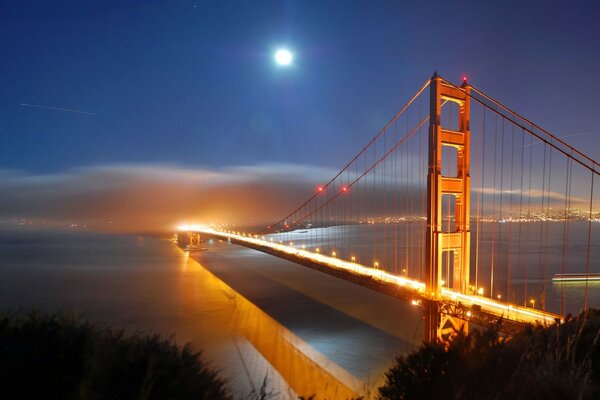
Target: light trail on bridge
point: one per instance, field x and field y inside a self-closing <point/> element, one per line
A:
<point x="398" y="219"/>
<point x="413" y="287"/>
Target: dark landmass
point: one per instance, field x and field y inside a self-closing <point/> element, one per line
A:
<point x="63" y="357"/>
<point x="561" y="361"/>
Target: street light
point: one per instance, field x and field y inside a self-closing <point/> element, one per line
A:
<point x="532" y="301"/>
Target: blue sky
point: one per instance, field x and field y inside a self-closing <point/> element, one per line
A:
<point x="193" y="83"/>
<point x="145" y="114"/>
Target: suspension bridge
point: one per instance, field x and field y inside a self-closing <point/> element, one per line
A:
<point x="459" y="205"/>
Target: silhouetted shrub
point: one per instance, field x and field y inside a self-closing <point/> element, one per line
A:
<point x="46" y="357"/>
<point x="561" y="361"/>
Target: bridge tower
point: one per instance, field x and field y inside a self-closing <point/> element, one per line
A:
<point x="194" y="243"/>
<point x="456" y="243"/>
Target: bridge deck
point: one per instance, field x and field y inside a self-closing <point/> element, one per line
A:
<point x="474" y="308"/>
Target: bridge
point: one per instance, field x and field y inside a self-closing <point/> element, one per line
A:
<point x="459" y="205"/>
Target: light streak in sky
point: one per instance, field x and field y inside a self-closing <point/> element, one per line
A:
<point x="72" y="110"/>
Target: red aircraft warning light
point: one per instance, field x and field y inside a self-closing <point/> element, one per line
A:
<point x="320" y="189"/>
<point x="344" y="189"/>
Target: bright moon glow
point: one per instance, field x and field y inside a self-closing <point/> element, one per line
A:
<point x="283" y="57"/>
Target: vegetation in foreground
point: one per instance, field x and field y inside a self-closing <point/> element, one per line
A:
<point x="557" y="362"/>
<point x="62" y="357"/>
<point x="45" y="356"/>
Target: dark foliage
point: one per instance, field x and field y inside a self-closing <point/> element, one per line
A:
<point x="49" y="357"/>
<point x="561" y="361"/>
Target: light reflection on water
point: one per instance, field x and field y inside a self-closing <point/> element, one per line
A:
<point x="253" y="313"/>
<point x="270" y="317"/>
<point x="358" y="328"/>
<point x="303" y="368"/>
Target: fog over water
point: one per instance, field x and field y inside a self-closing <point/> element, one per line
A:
<point x="143" y="197"/>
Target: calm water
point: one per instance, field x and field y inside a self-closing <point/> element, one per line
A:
<point x="252" y="314"/>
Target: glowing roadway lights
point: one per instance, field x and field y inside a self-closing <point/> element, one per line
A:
<point x="510" y="312"/>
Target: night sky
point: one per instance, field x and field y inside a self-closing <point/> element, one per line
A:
<point x="193" y="84"/>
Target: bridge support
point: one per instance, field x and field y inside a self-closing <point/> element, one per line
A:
<point x="193" y="241"/>
<point x="455" y="243"/>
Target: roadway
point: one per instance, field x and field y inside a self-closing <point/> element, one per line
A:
<point x="471" y="307"/>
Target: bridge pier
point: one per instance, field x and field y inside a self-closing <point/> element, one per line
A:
<point x="431" y="315"/>
<point x="189" y="240"/>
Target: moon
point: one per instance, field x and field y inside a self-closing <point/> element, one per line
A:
<point x="283" y="57"/>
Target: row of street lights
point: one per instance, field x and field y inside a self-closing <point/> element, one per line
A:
<point x="480" y="291"/>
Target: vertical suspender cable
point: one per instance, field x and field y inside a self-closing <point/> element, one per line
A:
<point x="521" y="216"/>
<point x="589" y="243"/>
<point x="528" y="231"/>
<point x="480" y="197"/>
<point x="510" y="211"/>
<point x="541" y="238"/>
<point x="493" y="220"/>
<point x="546" y="249"/>
<point x="501" y="216"/>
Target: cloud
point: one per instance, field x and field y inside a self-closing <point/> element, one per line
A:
<point x="149" y="197"/>
<point x="143" y="197"/>
<point x="533" y="193"/>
